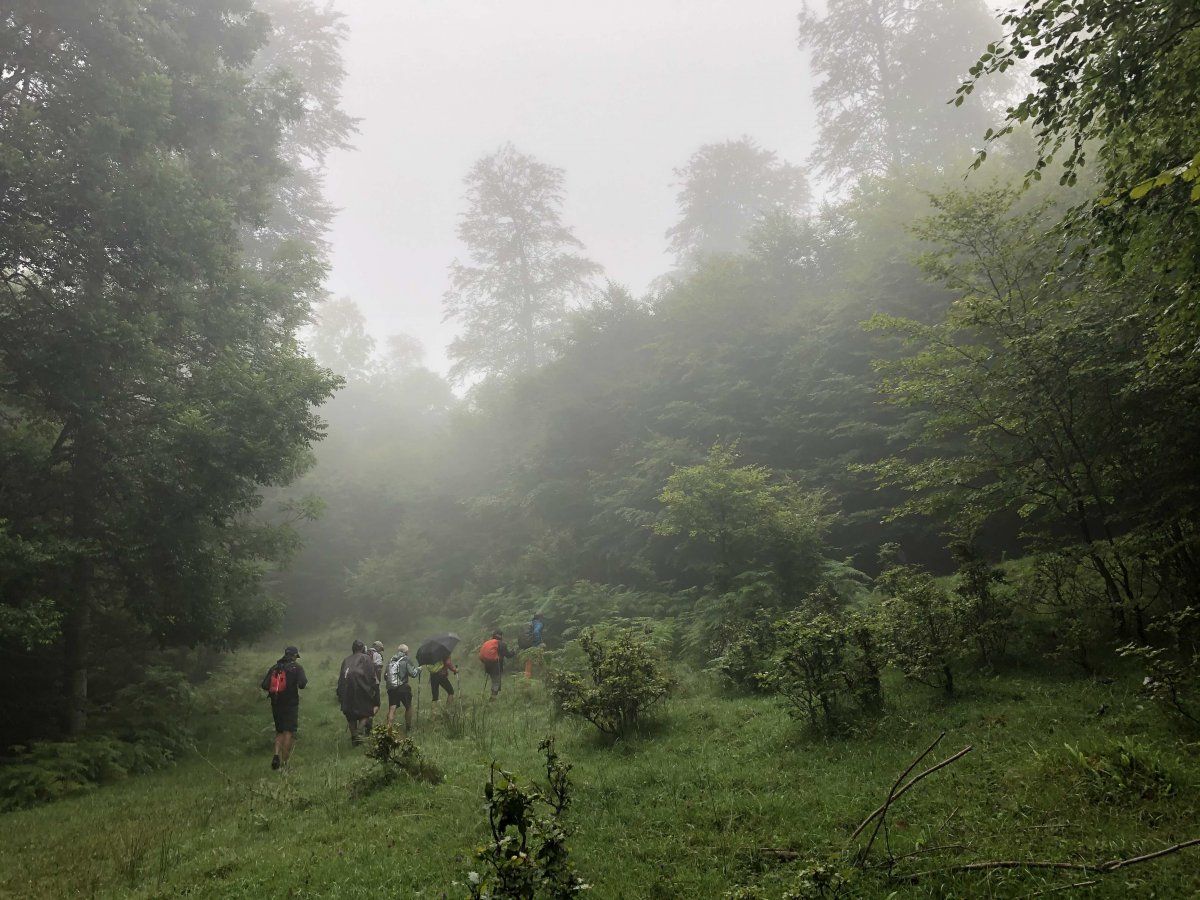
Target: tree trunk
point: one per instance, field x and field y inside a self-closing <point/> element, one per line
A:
<point x="75" y="633"/>
<point x="77" y="627"/>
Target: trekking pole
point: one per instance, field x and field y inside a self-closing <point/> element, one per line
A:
<point x="417" y="717"/>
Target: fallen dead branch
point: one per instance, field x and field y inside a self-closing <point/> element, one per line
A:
<point x="1099" y="868"/>
<point x="1061" y="888"/>
<point x="892" y="793"/>
<point x="897" y="792"/>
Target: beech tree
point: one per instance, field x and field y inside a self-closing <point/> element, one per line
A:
<point x="524" y="268"/>
<point x="725" y="190"/>
<point x="150" y="380"/>
<point x="301" y="52"/>
<point x="884" y="68"/>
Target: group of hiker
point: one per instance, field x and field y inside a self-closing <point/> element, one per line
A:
<point x="364" y="671"/>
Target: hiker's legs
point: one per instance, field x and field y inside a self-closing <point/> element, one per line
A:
<point x="391" y="715"/>
<point x="286" y="716"/>
<point x="441" y="682"/>
<point x="494" y="675"/>
<point x="528" y="668"/>
<point x="405" y="698"/>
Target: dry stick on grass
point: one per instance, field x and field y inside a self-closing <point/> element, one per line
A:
<point x="1100" y="868"/>
<point x="881" y="813"/>
<point x="892" y="796"/>
<point x="1061" y="888"/>
<point x="924" y="851"/>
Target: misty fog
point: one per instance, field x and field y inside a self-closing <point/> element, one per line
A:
<point x="606" y="442"/>
<point x="617" y="94"/>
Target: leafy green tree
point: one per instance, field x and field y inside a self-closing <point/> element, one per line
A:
<point x="724" y="190"/>
<point x="886" y="69"/>
<point x="302" y="51"/>
<point x="1033" y="367"/>
<point x="1108" y="83"/>
<point x="739" y="520"/>
<point x="149" y="375"/>
<point x="524" y="267"/>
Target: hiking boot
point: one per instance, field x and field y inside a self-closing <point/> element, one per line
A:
<point x="275" y="761"/>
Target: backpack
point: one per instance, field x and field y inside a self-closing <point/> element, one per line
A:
<point x="397" y="671"/>
<point x="277" y="682"/>
<point x="525" y="639"/>
<point x="490" y="651"/>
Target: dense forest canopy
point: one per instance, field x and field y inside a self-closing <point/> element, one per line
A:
<point x="862" y="372"/>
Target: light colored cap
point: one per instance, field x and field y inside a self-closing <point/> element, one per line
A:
<point x="403" y="648"/>
<point x="378" y="645"/>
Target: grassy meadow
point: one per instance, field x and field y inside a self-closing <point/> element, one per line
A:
<point x="683" y="809"/>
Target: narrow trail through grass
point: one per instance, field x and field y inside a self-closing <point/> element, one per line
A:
<point x="681" y="810"/>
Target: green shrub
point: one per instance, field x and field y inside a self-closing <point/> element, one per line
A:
<point x="825" y="664"/>
<point x="985" y="607"/>
<point x="50" y="770"/>
<point x="1173" y="668"/>
<point x="747" y="657"/>
<point x="624" y="678"/>
<point x="527" y="857"/>
<point x="920" y="626"/>
<point x="396" y="754"/>
<point x="1063" y="597"/>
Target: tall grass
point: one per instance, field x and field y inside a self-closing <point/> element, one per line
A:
<point x="681" y="810"/>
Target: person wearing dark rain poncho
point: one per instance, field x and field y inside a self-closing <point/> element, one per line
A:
<point x="358" y="691"/>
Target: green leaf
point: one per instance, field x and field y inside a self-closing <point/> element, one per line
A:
<point x="1141" y="190"/>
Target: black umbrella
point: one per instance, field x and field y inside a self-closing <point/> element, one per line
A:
<point x="436" y="649"/>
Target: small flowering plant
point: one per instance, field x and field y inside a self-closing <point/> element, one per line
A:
<point x="527" y="858"/>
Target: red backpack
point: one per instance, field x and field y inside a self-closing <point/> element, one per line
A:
<point x="490" y="651"/>
<point x="278" y="681"/>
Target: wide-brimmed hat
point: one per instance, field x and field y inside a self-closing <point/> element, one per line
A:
<point x="293" y="652"/>
<point x="378" y="645"/>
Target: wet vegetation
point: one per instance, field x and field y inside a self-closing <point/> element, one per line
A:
<point x="866" y="538"/>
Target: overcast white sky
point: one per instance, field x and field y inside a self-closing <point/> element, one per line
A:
<point x="617" y="93"/>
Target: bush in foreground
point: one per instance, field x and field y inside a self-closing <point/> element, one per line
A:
<point x="527" y="857"/>
<point x="399" y="755"/>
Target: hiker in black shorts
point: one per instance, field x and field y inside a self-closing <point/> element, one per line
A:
<point x="399" y="670"/>
<point x="283" y="683"/>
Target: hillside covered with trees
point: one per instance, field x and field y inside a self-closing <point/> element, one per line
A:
<point x="916" y="415"/>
